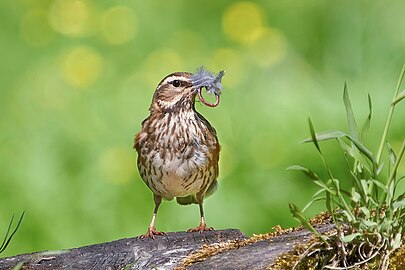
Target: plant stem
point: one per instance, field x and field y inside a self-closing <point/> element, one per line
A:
<point x="394" y="170"/>
<point x="389" y="118"/>
<point x="393" y="173"/>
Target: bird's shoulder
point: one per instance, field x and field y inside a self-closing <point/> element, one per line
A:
<point x="141" y="134"/>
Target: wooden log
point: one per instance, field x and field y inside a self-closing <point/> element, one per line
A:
<point x="223" y="249"/>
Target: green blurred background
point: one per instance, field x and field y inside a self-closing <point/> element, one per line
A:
<point x="77" y="77"/>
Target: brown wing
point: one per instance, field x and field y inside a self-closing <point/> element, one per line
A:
<point x="136" y="141"/>
<point x="140" y="135"/>
<point x="214" y="149"/>
<point x="214" y="146"/>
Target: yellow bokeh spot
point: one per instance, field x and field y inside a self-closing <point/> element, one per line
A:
<point x="71" y="17"/>
<point x="117" y="165"/>
<point x="269" y="47"/>
<point x="188" y="43"/>
<point x="82" y="66"/>
<point x="119" y="25"/>
<point x="35" y="29"/>
<point x="241" y="20"/>
<point x="230" y="61"/>
<point x="159" y="64"/>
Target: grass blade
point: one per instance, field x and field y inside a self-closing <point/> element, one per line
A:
<point x="313" y="176"/>
<point x="399" y="204"/>
<point x="397" y="162"/>
<point x="355" y="154"/>
<point x="351" y="121"/>
<point x="326" y="135"/>
<point x="389" y="117"/>
<point x="382" y="186"/>
<point x="313" y="136"/>
<point x="391" y="154"/>
<point x="18" y="266"/>
<point x="366" y="124"/>
<point x="304" y="170"/>
<point x="396" y="242"/>
<point x="364" y="150"/>
<point x="314" y="200"/>
<point x="7" y="240"/>
<point x="350" y="237"/>
<point x="328" y="203"/>
<point x="297" y="214"/>
<point x="400" y="97"/>
<point x="3" y="245"/>
<point x="336" y="134"/>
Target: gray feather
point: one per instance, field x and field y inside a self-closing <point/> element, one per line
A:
<point x="205" y="78"/>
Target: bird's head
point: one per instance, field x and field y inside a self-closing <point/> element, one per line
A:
<point x="174" y="92"/>
<point x="178" y="90"/>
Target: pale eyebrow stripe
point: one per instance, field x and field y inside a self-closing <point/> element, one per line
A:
<point x="172" y="78"/>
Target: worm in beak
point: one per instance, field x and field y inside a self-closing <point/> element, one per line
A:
<point x="200" y="96"/>
<point x="211" y="82"/>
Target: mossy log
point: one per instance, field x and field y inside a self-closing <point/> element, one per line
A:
<point x="222" y="249"/>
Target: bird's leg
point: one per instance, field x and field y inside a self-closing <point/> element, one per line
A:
<point x="152" y="230"/>
<point x="203" y="226"/>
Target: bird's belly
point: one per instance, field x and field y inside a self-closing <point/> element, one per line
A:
<point x="177" y="186"/>
<point x="179" y="177"/>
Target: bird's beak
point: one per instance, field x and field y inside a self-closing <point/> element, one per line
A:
<point x="200" y="96"/>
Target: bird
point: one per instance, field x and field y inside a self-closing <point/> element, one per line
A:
<point x="178" y="149"/>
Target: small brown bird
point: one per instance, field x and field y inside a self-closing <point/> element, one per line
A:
<point x="178" y="149"/>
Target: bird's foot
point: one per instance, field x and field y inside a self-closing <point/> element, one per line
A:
<point x="202" y="228"/>
<point x="151" y="233"/>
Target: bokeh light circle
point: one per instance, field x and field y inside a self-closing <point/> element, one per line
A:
<point x="161" y="63"/>
<point x="82" y="66"/>
<point x="71" y="17"/>
<point x="241" y="20"/>
<point x="229" y="60"/>
<point x="269" y="47"/>
<point x="119" y="25"/>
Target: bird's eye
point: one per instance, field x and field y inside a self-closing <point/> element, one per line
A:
<point x="176" y="83"/>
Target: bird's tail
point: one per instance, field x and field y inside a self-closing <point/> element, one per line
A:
<point x="193" y="199"/>
<point x="186" y="200"/>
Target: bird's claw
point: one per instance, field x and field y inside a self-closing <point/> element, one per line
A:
<point x="151" y="233"/>
<point x="202" y="228"/>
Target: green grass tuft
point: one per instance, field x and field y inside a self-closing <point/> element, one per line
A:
<point x="369" y="216"/>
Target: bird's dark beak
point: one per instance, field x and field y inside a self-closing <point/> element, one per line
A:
<point x="200" y="96"/>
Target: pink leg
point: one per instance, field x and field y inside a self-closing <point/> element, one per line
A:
<point x="203" y="226"/>
<point x="152" y="230"/>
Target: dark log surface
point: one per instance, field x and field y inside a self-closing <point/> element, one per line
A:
<point x="163" y="252"/>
